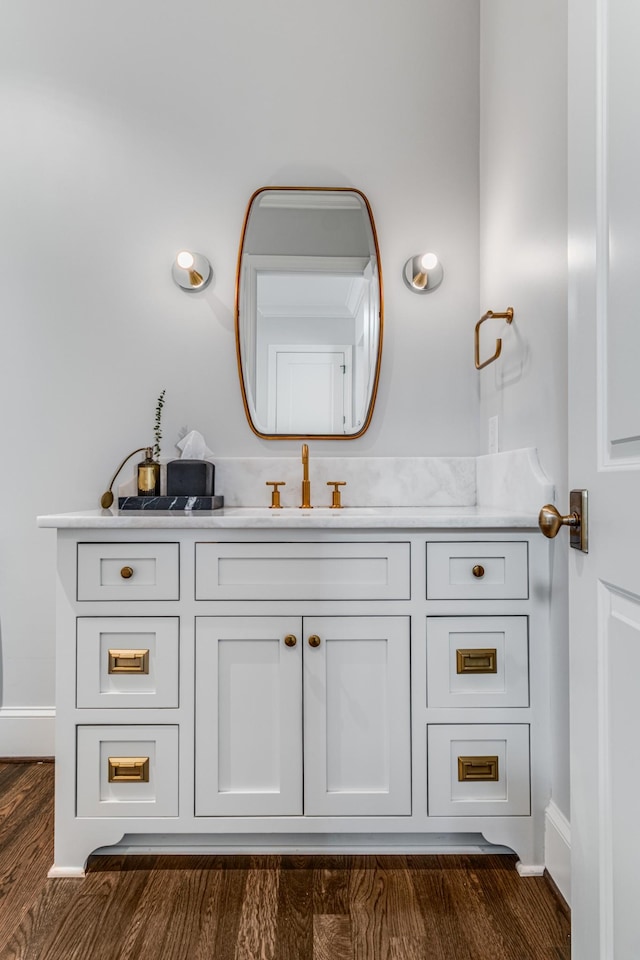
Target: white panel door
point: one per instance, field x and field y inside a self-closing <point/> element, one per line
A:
<point x="357" y="738"/>
<point x="604" y="456"/>
<point x="248" y="716"/>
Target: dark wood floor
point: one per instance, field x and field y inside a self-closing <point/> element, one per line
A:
<point x="260" y="908"/>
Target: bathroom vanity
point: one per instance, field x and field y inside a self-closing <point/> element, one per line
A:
<point x="370" y="680"/>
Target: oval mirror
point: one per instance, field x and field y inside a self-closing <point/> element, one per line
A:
<point x="309" y="313"/>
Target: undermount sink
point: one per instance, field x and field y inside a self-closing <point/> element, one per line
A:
<point x="291" y="512"/>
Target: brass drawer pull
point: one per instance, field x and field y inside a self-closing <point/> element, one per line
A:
<point x="477" y="661"/>
<point x="477" y="769"/>
<point x="314" y="640"/>
<point x="478" y="571"/>
<point x="290" y="640"/>
<point x="128" y="769"/>
<point x="126" y="573"/>
<point x="128" y="661"/>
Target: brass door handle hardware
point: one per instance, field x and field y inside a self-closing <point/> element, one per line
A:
<point x="128" y="769"/>
<point x="477" y="661"/>
<point x="477" y="769"/>
<point x="478" y="571"/>
<point x="290" y="640"/>
<point x="336" y="502"/>
<point x="128" y="661"/>
<point x="550" y="520"/>
<point x="314" y="640"/>
<point x="126" y="573"/>
<point x="508" y="316"/>
<point x="275" y="493"/>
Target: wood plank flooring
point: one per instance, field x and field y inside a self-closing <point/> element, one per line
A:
<point x="260" y="908"/>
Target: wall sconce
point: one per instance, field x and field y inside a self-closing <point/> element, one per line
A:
<point x="191" y="271"/>
<point x="423" y="273"/>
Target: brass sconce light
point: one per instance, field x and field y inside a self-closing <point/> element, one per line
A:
<point x="423" y="273"/>
<point x="191" y="271"/>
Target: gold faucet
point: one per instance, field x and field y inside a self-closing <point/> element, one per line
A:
<point x="306" y="484"/>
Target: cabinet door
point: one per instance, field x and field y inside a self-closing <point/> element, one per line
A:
<point x="248" y="716"/>
<point x="357" y="739"/>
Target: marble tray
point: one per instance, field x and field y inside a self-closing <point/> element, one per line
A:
<point x="170" y="503"/>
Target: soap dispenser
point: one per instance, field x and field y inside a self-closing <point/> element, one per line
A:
<point x="148" y="476"/>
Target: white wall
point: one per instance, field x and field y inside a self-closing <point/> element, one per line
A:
<point x="131" y="130"/>
<point x="523" y="264"/>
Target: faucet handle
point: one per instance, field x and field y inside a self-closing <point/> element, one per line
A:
<point x="336" y="503"/>
<point x="275" y="493"/>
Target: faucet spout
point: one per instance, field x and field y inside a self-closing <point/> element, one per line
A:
<point x="306" y="484"/>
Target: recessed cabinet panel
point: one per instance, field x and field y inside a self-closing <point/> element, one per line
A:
<point x="127" y="771"/>
<point x="248" y="716"/>
<point x="477" y="571"/>
<point x="477" y="662"/>
<point x="127" y="661"/>
<point x="478" y="770"/>
<point x="128" y="571"/>
<point x="309" y="571"/>
<point x="357" y="716"/>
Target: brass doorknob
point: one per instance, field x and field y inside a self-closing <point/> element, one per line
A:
<point x="290" y="640"/>
<point x="126" y="573"/>
<point x="478" y="571"/>
<point x="550" y="520"/>
<point x="314" y="640"/>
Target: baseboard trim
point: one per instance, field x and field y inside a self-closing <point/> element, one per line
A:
<point x="557" y="845"/>
<point x="27" y="732"/>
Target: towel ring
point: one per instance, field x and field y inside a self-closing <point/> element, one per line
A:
<point x="508" y="316"/>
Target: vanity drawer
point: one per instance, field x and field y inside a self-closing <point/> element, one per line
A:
<point x="302" y="571"/>
<point x="128" y="571"/>
<point x="477" y="571"/>
<point x="127" y="661"/>
<point x="478" y="770"/>
<point x="477" y="662"/>
<point x="127" y="771"/>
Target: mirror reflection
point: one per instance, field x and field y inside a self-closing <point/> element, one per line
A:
<point x="309" y="312"/>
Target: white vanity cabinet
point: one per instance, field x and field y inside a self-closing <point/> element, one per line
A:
<point x="287" y="701"/>
<point x="246" y="683"/>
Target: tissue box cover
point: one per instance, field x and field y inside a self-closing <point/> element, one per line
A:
<point x="190" y="478"/>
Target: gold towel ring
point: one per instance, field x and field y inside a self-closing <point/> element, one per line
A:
<point x="508" y="316"/>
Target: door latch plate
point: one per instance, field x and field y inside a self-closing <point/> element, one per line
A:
<point x="579" y="505"/>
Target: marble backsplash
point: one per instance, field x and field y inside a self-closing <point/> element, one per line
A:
<point x="510" y="480"/>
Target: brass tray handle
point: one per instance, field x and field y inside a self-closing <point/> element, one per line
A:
<point x="128" y="661"/>
<point x="128" y="769"/>
<point x="478" y="769"/>
<point x="489" y="315"/>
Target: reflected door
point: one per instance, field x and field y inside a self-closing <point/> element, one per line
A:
<point x="309" y="389"/>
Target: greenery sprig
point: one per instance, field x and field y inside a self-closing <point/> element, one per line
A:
<point x="157" y="427"/>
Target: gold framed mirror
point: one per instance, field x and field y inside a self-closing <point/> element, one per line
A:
<point x="309" y="313"/>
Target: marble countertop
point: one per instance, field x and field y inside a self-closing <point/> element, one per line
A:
<point x="362" y="518"/>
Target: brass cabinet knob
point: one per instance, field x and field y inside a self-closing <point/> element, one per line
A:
<point x="126" y="573"/>
<point x="478" y="571"/>
<point x="314" y="640"/>
<point x="290" y="640"/>
<point x="550" y="520"/>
